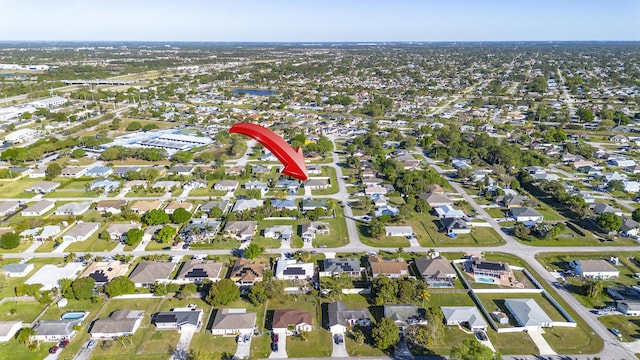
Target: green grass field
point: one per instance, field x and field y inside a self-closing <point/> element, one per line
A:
<point x="317" y="345"/>
<point x="27" y="311"/>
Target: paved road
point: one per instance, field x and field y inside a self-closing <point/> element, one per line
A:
<point x="84" y="353"/>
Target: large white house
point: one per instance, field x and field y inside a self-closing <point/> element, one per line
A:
<point x="290" y="269"/>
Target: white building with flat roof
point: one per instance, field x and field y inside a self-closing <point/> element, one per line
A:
<point x="49" y="275"/>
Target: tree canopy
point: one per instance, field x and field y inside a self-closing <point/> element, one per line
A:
<point x="609" y="221"/>
<point x="155" y="217"/>
<point x="180" y="216"/>
<point x="253" y="251"/>
<point x="9" y="240"/>
<point x="133" y="237"/>
<point x="385" y="334"/>
<point x="223" y="293"/>
<point x="470" y="349"/>
<point x="119" y="286"/>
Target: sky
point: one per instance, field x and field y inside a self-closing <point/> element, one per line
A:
<point x="319" y="20"/>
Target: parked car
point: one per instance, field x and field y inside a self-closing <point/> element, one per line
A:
<point x="274" y="347"/>
<point x="91" y="344"/>
<point x="53" y="349"/>
<point x="275" y="338"/>
<point x="339" y="339"/>
<point x="63" y="344"/>
<point x="616" y="332"/>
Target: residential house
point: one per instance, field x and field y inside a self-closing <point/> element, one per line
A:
<point x="341" y="266"/>
<point x="261" y="169"/>
<point x="118" y="231"/>
<point x="247" y="204"/>
<point x="448" y="212"/>
<point x="175" y="205"/>
<point x="256" y="185"/>
<point x="455" y="226"/>
<point x="235" y="170"/>
<point x="601" y="208"/>
<point x="398" y="231"/>
<point x="627" y="299"/>
<point x="389" y="268"/>
<point x="386" y="210"/>
<point x="308" y="204"/>
<point x="339" y="317"/>
<point x="314" y="169"/>
<point x="375" y="190"/>
<point x="73" y="171"/>
<point x="188" y="318"/>
<point x="119" y="323"/>
<point x="632" y="186"/>
<point x="73" y="208"/>
<point x="291" y="321"/>
<point x="166" y="185"/>
<point x="226" y="185"/>
<point x="142" y="206"/>
<point x="122" y="171"/>
<point x="110" y="206"/>
<point x="309" y="230"/>
<point x="82" y="231"/>
<point x="526" y="215"/>
<point x="491" y="272"/>
<point x="17" y="270"/>
<point x="596" y="269"/>
<point x="220" y="204"/>
<point x="436" y="272"/>
<point x="200" y="230"/>
<point x="50" y="275"/>
<point x="468" y="316"/>
<point x="104" y="271"/>
<point x="198" y="270"/>
<point x="629" y="228"/>
<point x="43" y="187"/>
<point x="284" y="204"/>
<point x="183" y="170"/>
<point x="104" y="184"/>
<point x="528" y="314"/>
<point x="54" y="330"/>
<point x="290" y="269"/>
<point x="269" y="157"/>
<point x="435" y="189"/>
<point x="511" y="201"/>
<point x="404" y="315"/>
<point x="233" y="322"/>
<point x="149" y="272"/>
<point x="246" y="272"/>
<point x="436" y="199"/>
<point x="99" y="171"/>
<point x="316" y="184"/>
<point x="241" y="230"/>
<point x="282" y="232"/>
<point x="8" y="329"/>
<point x="291" y="186"/>
<point x="8" y="207"/>
<point x="41" y="233"/>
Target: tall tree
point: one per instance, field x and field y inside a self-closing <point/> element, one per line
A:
<point x="223" y="293"/>
<point x="385" y="334"/>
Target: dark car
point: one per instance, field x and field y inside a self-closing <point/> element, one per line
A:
<point x="339" y="339"/>
<point x="274" y="347"/>
<point x="63" y="344"/>
<point x="53" y="349"/>
<point x="185" y="246"/>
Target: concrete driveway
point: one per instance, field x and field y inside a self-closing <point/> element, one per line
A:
<point x="282" y="347"/>
<point x="339" y="350"/>
<point x="244" y="349"/>
<point x="85" y="352"/>
<point x="541" y="343"/>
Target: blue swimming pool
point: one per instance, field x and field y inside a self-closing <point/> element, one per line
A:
<point x="487" y="280"/>
<point x="74" y="315"/>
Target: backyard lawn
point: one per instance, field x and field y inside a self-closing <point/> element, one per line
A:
<point x="319" y="344"/>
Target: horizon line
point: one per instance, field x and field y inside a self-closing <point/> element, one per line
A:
<point x="320" y="42"/>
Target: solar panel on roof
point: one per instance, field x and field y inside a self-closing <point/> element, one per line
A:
<point x="196" y="273"/>
<point x="99" y="276"/>
<point x="294" y="271"/>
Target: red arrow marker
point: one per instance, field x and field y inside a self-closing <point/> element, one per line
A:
<point x="293" y="160"/>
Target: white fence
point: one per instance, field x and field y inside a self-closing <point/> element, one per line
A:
<point x="564" y="324"/>
<point x="480" y="224"/>
<point x="508" y="291"/>
<point x="138" y="296"/>
<point x="356" y="291"/>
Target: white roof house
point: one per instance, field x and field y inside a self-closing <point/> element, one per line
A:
<point x="244" y="204"/>
<point x="447" y="211"/>
<point x="290" y="269"/>
<point x="73" y="208"/>
<point x="38" y="209"/>
<point x="464" y="315"/>
<point x="528" y="313"/>
<point x="49" y="275"/>
<point x="279" y="232"/>
<point x="398" y="230"/>
<point x="17" y="270"/>
<point x="600" y="269"/>
<point x="8" y="329"/>
<point x="82" y="231"/>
